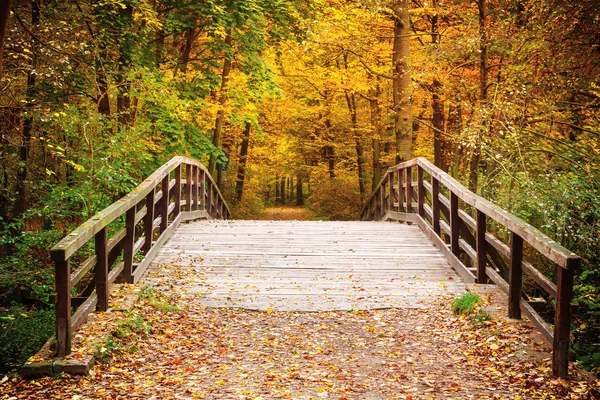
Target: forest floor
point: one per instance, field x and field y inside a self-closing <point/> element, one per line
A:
<point x="170" y="346"/>
<point x="286" y="213"/>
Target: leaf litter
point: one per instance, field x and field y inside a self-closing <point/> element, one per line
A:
<point x="187" y="351"/>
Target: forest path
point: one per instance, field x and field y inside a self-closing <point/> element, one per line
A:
<point x="195" y="352"/>
<point x="286" y="213"/>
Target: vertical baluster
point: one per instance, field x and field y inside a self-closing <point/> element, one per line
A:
<point x="101" y="269"/>
<point x="209" y="199"/>
<point x="401" y="191"/>
<point x="381" y="200"/>
<point x="149" y="222"/>
<point x="195" y="184"/>
<point x="420" y="193"/>
<point x="202" y="187"/>
<point x="435" y="204"/>
<point x="391" y="190"/>
<point x="515" y="277"/>
<point x="63" y="306"/>
<point x="454" y="224"/>
<point x="481" y="245"/>
<point x="164" y="204"/>
<point x="188" y="187"/>
<point x="177" y="191"/>
<point x="409" y="190"/>
<point x="562" y="318"/>
<point x="126" y="275"/>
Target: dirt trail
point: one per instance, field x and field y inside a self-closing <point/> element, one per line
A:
<point x="286" y="213"/>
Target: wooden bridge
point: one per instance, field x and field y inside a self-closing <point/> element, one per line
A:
<point x="312" y="265"/>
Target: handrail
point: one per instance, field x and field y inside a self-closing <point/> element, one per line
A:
<point x="398" y="196"/>
<point x="159" y="205"/>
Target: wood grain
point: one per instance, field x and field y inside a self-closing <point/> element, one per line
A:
<point x="309" y="265"/>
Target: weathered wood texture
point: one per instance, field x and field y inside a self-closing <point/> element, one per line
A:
<point x="464" y="240"/>
<point x="309" y="265"/>
<point x="159" y="204"/>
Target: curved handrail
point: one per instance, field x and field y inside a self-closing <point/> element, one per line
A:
<point x="393" y="199"/>
<point x="152" y="211"/>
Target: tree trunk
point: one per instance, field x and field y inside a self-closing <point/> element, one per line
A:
<point x="124" y="108"/>
<point x="483" y="85"/>
<point x="186" y="51"/>
<point x="4" y="17"/>
<point x="377" y="134"/>
<point x="282" y="190"/>
<point x="241" y="175"/>
<point x="438" y="126"/>
<point x="437" y="120"/>
<point x="360" y="157"/>
<point x="299" y="193"/>
<point x="222" y="100"/>
<point x="20" y="205"/>
<point x="277" y="201"/>
<point x="401" y="82"/>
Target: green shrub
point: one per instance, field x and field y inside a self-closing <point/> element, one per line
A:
<point x="22" y="333"/>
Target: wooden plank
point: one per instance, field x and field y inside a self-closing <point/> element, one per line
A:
<point x="562" y="320"/>
<point x="480" y="230"/>
<point x="533" y="316"/>
<point x="409" y="189"/>
<point x="177" y="191"/>
<point x="162" y="239"/>
<point x="188" y="187"/>
<point x="454" y="261"/>
<point x="454" y="224"/>
<point x="84" y="310"/>
<point x="128" y="252"/>
<point x="542" y="243"/>
<point x="63" y="307"/>
<point x="420" y="192"/>
<point x="163" y="209"/>
<point x="515" y="281"/>
<point x="435" y="205"/>
<point x="149" y="222"/>
<point x="101" y="270"/>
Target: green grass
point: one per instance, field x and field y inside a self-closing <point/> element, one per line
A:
<point x="466" y="303"/>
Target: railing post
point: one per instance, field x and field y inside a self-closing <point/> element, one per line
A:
<point x="164" y="204"/>
<point x="177" y="191"/>
<point x="195" y="187"/>
<point x="188" y="187"/>
<point x="63" y="307"/>
<point x="209" y="200"/>
<point x="421" y="192"/>
<point x="515" y="277"/>
<point x="127" y="274"/>
<point x="101" y="269"/>
<point x="480" y="228"/>
<point x="435" y="204"/>
<point x="382" y="200"/>
<point x="391" y="191"/>
<point x="454" y="224"/>
<point x="409" y="195"/>
<point x="202" y="187"/>
<point x="562" y="318"/>
<point x="149" y="222"/>
<point x="401" y="191"/>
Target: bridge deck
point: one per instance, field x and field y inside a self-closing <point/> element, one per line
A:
<point x="309" y="265"/>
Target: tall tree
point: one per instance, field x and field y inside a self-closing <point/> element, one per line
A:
<point x="403" y="117"/>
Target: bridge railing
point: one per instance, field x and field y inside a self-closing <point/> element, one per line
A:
<point x="180" y="190"/>
<point x="458" y="222"/>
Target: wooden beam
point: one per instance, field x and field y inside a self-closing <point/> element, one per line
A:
<point x="515" y="280"/>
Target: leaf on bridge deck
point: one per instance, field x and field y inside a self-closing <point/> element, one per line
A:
<point x="198" y="352"/>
